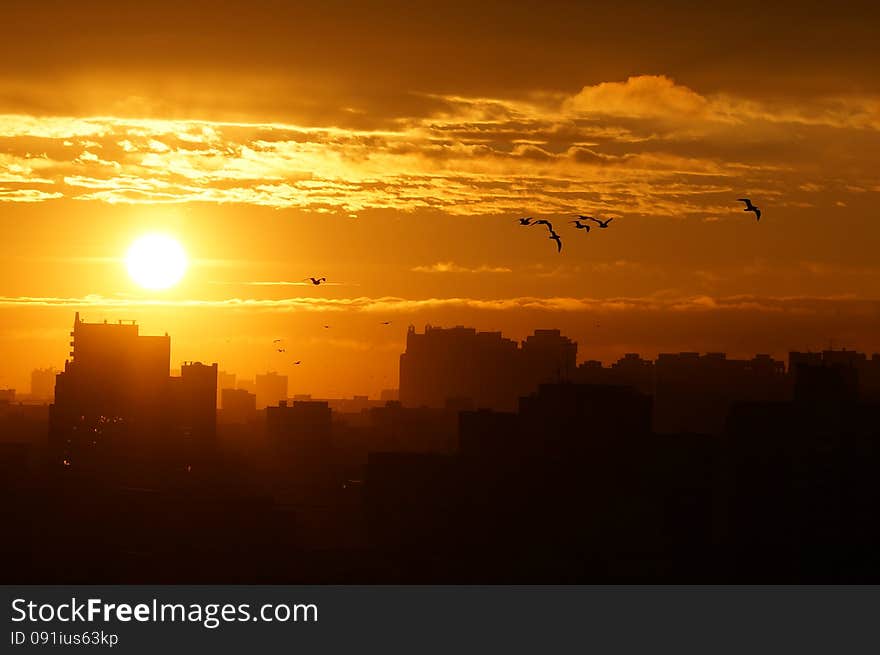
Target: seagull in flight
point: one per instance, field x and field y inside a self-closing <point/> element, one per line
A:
<point x="581" y="226"/>
<point x="601" y="223"/>
<point x="315" y="280"/>
<point x="751" y="208"/>
<point x="553" y="234"/>
<point x="525" y="221"/>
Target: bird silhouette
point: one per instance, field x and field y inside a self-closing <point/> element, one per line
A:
<point x="553" y="234"/>
<point x="281" y="350"/>
<point x="297" y="362"/>
<point x="601" y="223"/>
<point x="581" y="226"/>
<point x="525" y="221"/>
<point x="277" y="340"/>
<point x="315" y="280"/>
<point x="386" y="322"/>
<point x="326" y="327"/>
<point x="751" y="208"/>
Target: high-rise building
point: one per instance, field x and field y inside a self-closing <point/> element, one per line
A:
<point x="238" y="406"/>
<point x="43" y="383"/>
<point x="195" y="398"/>
<point x="489" y="369"/>
<point x="547" y="356"/>
<point x="115" y="396"/>
<point x="224" y="381"/>
<point x="271" y="388"/>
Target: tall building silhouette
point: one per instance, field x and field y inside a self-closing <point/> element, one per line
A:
<point x="271" y="388"/>
<point x="238" y="406"/>
<point x="115" y="397"/>
<point x="43" y="383"/>
<point x="492" y="371"/>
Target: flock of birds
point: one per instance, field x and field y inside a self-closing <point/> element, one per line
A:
<point x="582" y="222"/>
<point x="278" y="344"/>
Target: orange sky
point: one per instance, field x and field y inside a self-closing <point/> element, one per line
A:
<point x="389" y="148"/>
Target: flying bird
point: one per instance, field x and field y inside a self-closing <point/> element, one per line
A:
<point x="281" y="350"/>
<point x="601" y="223"/>
<point x="525" y="221"/>
<point x="277" y="340"/>
<point x="386" y="322"/>
<point x="751" y="208"/>
<point x="315" y="280"/>
<point x="326" y="327"/>
<point x="553" y="234"/>
<point x="297" y="362"/>
<point x="581" y="226"/>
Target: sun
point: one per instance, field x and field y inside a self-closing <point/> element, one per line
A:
<point x="156" y="261"/>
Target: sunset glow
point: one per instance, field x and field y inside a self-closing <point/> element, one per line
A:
<point x="156" y="261"/>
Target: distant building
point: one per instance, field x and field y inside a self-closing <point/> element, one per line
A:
<point x="301" y="437"/>
<point x="389" y="394"/>
<point x="485" y="367"/>
<point x="7" y="396"/>
<point x="238" y="406"/>
<point x="271" y="389"/>
<point x="547" y="356"/>
<point x="194" y="395"/>
<point x="225" y="380"/>
<point x="43" y="383"/>
<point x="694" y="393"/>
<point x="854" y="369"/>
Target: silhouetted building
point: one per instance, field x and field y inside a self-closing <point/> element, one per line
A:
<point x="389" y="394"/>
<point x="7" y="396"/>
<point x="225" y="380"/>
<point x="458" y="362"/>
<point x="115" y="399"/>
<point x="301" y="436"/>
<point x="238" y="406"/>
<point x="194" y="396"/>
<point x="271" y="389"/>
<point x="693" y="393"/>
<point x="547" y="356"/>
<point x="570" y="417"/>
<point x="629" y="371"/>
<point x="491" y="370"/>
<point x="43" y="383"/>
<point x="856" y="373"/>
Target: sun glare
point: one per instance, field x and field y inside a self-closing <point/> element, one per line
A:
<point x="156" y="261"/>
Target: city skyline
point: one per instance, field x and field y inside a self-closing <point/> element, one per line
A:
<point x="499" y="462"/>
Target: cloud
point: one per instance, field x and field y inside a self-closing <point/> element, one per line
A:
<point x="452" y="267"/>
<point x="387" y="304"/>
<point x="646" y="145"/>
<point x="279" y="283"/>
<point x="644" y="96"/>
